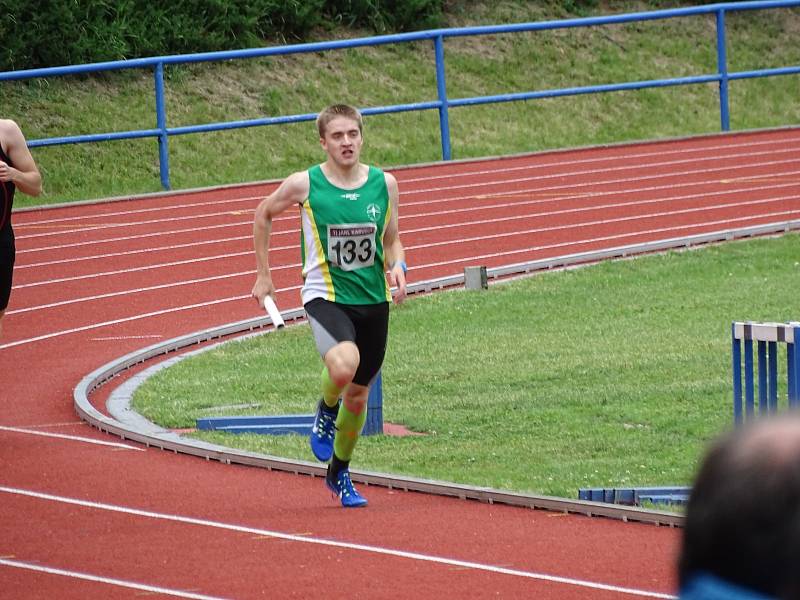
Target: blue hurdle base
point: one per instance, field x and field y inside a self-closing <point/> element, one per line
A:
<point x="635" y="496"/>
<point x="275" y="425"/>
<point x="298" y="424"/>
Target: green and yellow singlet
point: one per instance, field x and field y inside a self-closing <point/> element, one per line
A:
<point x="342" y="240"/>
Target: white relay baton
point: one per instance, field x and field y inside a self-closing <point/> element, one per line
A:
<point x="273" y="312"/>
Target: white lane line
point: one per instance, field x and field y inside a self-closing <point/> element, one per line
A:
<point x="148" y="250"/>
<point x="724" y="222"/>
<point x="148" y="267"/>
<point x="482" y="184"/>
<point x="122" y="213"/>
<point x="536" y="165"/>
<point x="594" y="183"/>
<point x="642" y="217"/>
<point x="441" y="201"/>
<point x="604" y="158"/>
<point x="336" y="544"/>
<point x="151" y="288"/>
<point x="458" y="225"/>
<point x="521" y="201"/>
<point x="155" y="313"/>
<point x="72" y="438"/>
<point x="116" y="338"/>
<point x="125" y="238"/>
<point x="65" y="424"/>
<point x="18" y="564"/>
<point x="189" y="261"/>
<point x="126" y="224"/>
<point x="432" y="244"/>
<point x="604" y="207"/>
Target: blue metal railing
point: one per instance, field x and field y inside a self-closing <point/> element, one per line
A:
<point x="442" y="103"/>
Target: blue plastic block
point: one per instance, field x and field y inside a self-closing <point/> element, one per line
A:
<point x="644" y="492"/>
<point x="271" y="428"/>
<point x="624" y="496"/>
<point x="212" y="423"/>
<point x="663" y="499"/>
<point x="634" y="496"/>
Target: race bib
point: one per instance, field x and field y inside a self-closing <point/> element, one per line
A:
<point x="352" y="246"/>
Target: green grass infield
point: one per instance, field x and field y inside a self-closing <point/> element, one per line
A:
<point x="611" y="375"/>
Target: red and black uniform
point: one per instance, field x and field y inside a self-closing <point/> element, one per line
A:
<point x="7" y="249"/>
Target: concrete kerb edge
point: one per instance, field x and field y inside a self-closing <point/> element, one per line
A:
<point x="138" y="429"/>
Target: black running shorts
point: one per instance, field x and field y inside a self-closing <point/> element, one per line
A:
<point x="7" y="253"/>
<point x="367" y="326"/>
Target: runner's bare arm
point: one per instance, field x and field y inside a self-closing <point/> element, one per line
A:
<point x="394" y="253"/>
<point x="293" y="190"/>
<point x="24" y="174"/>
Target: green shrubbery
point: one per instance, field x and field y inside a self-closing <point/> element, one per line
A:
<point x="41" y="33"/>
<point x="46" y="33"/>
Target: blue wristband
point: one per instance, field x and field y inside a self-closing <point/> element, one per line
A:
<point x="402" y="264"/>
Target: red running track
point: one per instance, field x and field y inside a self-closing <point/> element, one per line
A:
<point x="86" y="515"/>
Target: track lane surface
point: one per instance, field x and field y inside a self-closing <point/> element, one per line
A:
<point x="97" y="281"/>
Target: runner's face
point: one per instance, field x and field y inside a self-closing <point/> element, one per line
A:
<point x="342" y="141"/>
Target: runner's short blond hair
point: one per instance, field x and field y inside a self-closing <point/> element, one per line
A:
<point x="338" y="110"/>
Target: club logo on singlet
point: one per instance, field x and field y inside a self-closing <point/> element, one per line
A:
<point x="351" y="246"/>
<point x="373" y="212"/>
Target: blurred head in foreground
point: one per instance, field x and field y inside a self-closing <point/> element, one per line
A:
<point x="742" y="529"/>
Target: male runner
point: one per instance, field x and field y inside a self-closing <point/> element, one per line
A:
<point x="350" y="236"/>
<point x="17" y="171"/>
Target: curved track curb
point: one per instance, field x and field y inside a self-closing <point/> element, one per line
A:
<point x="134" y="427"/>
<point x="129" y="425"/>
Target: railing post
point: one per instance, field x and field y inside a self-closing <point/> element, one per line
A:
<point x="722" y="68"/>
<point x="441" y="88"/>
<point x="161" y="124"/>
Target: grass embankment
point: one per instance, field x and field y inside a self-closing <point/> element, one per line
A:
<point x="403" y="74"/>
<point x="612" y="375"/>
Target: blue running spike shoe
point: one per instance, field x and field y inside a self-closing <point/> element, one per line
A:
<point x="342" y="488"/>
<point x="323" y="430"/>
